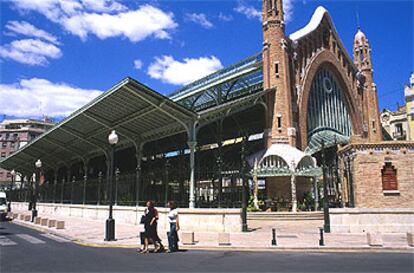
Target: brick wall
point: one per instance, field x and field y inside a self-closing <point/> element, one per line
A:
<point x="369" y="160"/>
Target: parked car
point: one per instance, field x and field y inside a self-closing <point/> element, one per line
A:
<point x="3" y="206"/>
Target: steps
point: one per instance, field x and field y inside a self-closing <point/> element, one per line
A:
<point x="284" y="216"/>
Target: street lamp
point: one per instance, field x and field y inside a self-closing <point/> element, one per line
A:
<point x="13" y="173"/>
<point x="244" y="186"/>
<point x="110" y="222"/>
<point x="327" y="225"/>
<point x="38" y="165"/>
<point x="350" y="183"/>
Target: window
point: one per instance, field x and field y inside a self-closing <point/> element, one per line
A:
<point x="277" y="70"/>
<point x="11" y="144"/>
<point x="389" y="177"/>
<point x="398" y="128"/>
<point x="4" y="144"/>
<point x="3" y="154"/>
<point x="269" y="6"/>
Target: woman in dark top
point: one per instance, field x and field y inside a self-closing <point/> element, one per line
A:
<point x="150" y="225"/>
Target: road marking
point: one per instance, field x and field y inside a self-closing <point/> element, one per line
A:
<point x="55" y="238"/>
<point x="30" y="238"/>
<point x="4" y="241"/>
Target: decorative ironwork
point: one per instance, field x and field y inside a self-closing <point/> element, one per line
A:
<point x="328" y="116"/>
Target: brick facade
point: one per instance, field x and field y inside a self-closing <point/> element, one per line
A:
<point x="290" y="66"/>
<point x="368" y="160"/>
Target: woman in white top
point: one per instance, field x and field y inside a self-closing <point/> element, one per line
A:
<point x="174" y="227"/>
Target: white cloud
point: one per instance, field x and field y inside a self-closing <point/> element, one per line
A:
<point x="37" y="97"/>
<point x="199" y="18"/>
<point x="138" y="64"/>
<point x="253" y="13"/>
<point x="27" y="29"/>
<point x="169" y="70"/>
<point x="225" y="18"/>
<point x="250" y="11"/>
<point x="134" y="25"/>
<point x="103" y="5"/>
<point x="30" y="51"/>
<point x="103" y="18"/>
<point x="288" y="10"/>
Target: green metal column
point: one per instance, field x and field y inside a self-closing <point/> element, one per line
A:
<point x="98" y="202"/>
<point x="244" y="185"/>
<point x="220" y="161"/>
<point x="85" y="179"/>
<point x="138" y="158"/>
<point x="166" y="178"/>
<point x="55" y="180"/>
<point x="327" y="224"/>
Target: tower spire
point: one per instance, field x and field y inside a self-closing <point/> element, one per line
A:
<point x="357" y="17"/>
<point x="362" y="60"/>
<point x="276" y="76"/>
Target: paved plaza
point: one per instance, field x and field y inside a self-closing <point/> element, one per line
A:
<point x="291" y="235"/>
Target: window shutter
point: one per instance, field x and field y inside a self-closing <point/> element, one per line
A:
<point x="389" y="177"/>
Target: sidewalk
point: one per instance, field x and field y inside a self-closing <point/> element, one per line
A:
<point x="291" y="236"/>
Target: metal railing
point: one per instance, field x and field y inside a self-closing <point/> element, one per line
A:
<point x="93" y="191"/>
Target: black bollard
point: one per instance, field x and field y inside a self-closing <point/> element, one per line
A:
<point x="321" y="241"/>
<point x="274" y="242"/>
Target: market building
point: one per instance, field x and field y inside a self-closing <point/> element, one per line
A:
<point x="271" y="119"/>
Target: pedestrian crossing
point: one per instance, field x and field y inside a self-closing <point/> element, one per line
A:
<point x="55" y="238"/>
<point x="15" y="239"/>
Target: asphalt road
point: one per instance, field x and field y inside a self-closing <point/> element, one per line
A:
<point x="26" y="250"/>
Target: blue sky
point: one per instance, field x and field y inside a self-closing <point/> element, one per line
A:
<point x="56" y="55"/>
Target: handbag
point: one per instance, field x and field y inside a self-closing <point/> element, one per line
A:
<point x="142" y="221"/>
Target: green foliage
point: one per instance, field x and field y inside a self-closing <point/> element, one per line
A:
<point x="250" y="206"/>
<point x="308" y="202"/>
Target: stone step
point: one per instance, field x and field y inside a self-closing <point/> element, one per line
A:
<point x="285" y="216"/>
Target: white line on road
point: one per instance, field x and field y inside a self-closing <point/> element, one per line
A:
<point x="30" y="239"/>
<point x="4" y="241"/>
<point x="55" y="238"/>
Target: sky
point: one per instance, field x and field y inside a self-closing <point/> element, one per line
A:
<point x="56" y="55"/>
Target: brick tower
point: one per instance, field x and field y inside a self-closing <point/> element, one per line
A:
<point x="362" y="59"/>
<point x="276" y="76"/>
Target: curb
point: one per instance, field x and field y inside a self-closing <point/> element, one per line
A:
<point x="303" y="249"/>
<point x="275" y="249"/>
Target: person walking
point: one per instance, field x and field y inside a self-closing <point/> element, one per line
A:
<point x="174" y="227"/>
<point x="150" y="228"/>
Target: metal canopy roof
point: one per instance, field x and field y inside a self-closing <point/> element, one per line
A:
<point x="138" y="113"/>
<point x="328" y="136"/>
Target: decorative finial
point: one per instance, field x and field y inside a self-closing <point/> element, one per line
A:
<point x="357" y="17"/>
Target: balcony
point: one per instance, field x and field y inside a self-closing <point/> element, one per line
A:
<point x="399" y="135"/>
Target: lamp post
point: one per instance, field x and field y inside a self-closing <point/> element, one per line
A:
<point x="350" y="183"/>
<point x="326" y="225"/>
<point x="244" y="186"/>
<point x="110" y="222"/>
<point x="38" y="165"/>
<point x="167" y="167"/>
<point x="13" y="173"/>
